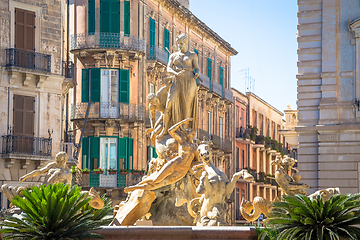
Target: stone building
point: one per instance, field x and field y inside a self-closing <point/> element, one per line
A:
<point x="121" y="50"/>
<point x="329" y="93"/>
<point x="34" y="80"/>
<point x="258" y="141"/>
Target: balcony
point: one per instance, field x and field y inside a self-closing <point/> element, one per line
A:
<point x="228" y="95"/>
<point x="122" y="111"/>
<point x="28" y="60"/>
<point x="68" y="69"/>
<point x="216" y="140"/>
<point x="82" y="41"/>
<point x="22" y="147"/>
<point x="106" y="180"/>
<point x="242" y="136"/>
<point x="157" y="54"/>
<point x="201" y="134"/>
<point x="69" y="148"/>
<point x="217" y="88"/>
<point x="203" y="81"/>
<point x="227" y="145"/>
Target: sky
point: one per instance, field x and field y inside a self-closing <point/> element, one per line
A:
<point x="264" y="34"/>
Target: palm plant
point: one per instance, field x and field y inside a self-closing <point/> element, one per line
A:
<point x="300" y="217"/>
<point x="54" y="212"/>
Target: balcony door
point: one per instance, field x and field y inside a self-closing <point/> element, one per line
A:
<point x="22" y="140"/>
<point x="108" y="153"/>
<point x="109" y="106"/>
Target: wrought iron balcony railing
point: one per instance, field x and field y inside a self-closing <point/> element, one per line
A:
<point x="158" y="54"/>
<point x="107" y="40"/>
<point x="204" y="81"/>
<point x="13" y="144"/>
<point x="28" y="60"/>
<point x="228" y="95"/>
<point x="68" y="69"/>
<point x="127" y="112"/>
<point x="217" y="88"/>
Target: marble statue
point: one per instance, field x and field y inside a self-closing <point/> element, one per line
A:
<point x="288" y="184"/>
<point x="176" y="168"/>
<point x="251" y="211"/>
<point x="182" y="100"/>
<point x="215" y="189"/>
<point x="54" y="172"/>
<point x="177" y="177"/>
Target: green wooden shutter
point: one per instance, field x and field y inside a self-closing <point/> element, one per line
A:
<point x="151" y="38"/>
<point x="115" y="16"/>
<point x="91" y="17"/>
<point x="94" y="151"/>
<point x="221" y="76"/>
<point x="209" y="70"/>
<point x="197" y="52"/>
<point x="122" y="152"/>
<point x="166" y="39"/>
<point x="124" y="86"/>
<point x="127" y="18"/>
<point x="95" y="84"/>
<point x="110" y="16"/>
<point x="131" y="152"/>
<point x="155" y="153"/>
<point x="85" y="85"/>
<point x="85" y="153"/>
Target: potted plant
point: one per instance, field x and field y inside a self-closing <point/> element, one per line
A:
<point x="98" y="170"/>
<point x="111" y="171"/>
<point x="85" y="171"/>
<point x="74" y="170"/>
<point x="123" y="171"/>
<point x="136" y="172"/>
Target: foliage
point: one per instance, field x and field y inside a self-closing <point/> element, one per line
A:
<point x="111" y="170"/>
<point x="267" y="141"/>
<point x="253" y="132"/>
<point x="302" y="218"/>
<point x="259" y="139"/>
<point x="54" y="212"/>
<point x="266" y="233"/>
<point x="85" y="170"/>
<point x="98" y="170"/>
<point x="74" y="169"/>
<point x="123" y="170"/>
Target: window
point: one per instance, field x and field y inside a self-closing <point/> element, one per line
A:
<point x="166" y="40"/>
<point x="242" y="158"/>
<point x="151" y="38"/>
<point x="151" y="88"/>
<point x="209" y="70"/>
<point x="209" y="122"/>
<point x="196" y="51"/>
<point x="243" y="118"/>
<point x="108" y="153"/>
<point x="221" y="76"/>
<point x="237" y="118"/>
<point x="110" y="16"/>
<point x="151" y="153"/>
<point x="24" y="29"/>
<point x="23" y="115"/>
<point x="242" y="193"/>
<point x="237" y="202"/>
<point x="221" y="127"/>
<point x="237" y="159"/>
<point x="107" y="85"/>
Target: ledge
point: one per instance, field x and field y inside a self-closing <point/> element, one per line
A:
<point x="177" y="232"/>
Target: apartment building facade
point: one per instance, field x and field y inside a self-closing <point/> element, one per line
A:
<point x="258" y="141"/>
<point x="121" y="50"/>
<point x="34" y="80"/>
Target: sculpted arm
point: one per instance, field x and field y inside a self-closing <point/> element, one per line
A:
<point x="172" y="130"/>
<point x="231" y="185"/>
<point x="36" y="173"/>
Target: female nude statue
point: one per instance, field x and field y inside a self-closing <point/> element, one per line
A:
<point x="176" y="168"/>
